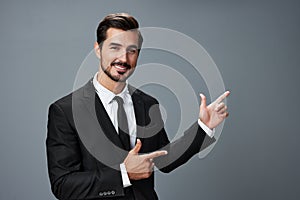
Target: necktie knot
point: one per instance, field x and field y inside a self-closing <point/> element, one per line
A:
<point x="119" y="100"/>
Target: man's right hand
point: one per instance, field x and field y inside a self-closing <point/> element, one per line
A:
<point x="140" y="166"/>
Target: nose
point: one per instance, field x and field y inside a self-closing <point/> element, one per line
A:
<point x="123" y="56"/>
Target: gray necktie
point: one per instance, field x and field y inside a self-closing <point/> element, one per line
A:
<point x="123" y="124"/>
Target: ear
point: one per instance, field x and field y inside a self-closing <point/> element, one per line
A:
<point x="97" y="49"/>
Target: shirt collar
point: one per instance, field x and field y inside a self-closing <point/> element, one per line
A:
<point x="106" y="95"/>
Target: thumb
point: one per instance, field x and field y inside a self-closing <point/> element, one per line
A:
<point x="203" y="100"/>
<point x="137" y="147"/>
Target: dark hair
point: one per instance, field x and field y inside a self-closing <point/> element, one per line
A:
<point x="121" y="21"/>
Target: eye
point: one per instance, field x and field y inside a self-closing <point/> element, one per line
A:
<point x="115" y="48"/>
<point x="132" y="51"/>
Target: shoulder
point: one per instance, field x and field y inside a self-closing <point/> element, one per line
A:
<point x="65" y="102"/>
<point x="61" y="108"/>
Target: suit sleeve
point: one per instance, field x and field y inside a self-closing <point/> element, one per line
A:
<point x="68" y="178"/>
<point x="181" y="150"/>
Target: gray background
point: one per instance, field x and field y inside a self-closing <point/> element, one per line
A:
<point x="255" y="44"/>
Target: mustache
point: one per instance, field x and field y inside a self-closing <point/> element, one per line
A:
<point x="121" y="64"/>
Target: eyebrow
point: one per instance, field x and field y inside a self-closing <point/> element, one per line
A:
<point x="114" y="44"/>
<point x="132" y="46"/>
<point x="117" y="44"/>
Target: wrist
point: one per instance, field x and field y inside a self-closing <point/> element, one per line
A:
<point x="205" y="123"/>
<point x="210" y="132"/>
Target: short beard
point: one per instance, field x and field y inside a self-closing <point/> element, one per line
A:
<point x="114" y="78"/>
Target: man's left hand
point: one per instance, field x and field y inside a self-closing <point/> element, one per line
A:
<point x="213" y="114"/>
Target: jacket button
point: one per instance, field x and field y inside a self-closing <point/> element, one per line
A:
<point x="113" y="192"/>
<point x="100" y="194"/>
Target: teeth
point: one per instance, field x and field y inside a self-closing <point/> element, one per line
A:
<point x="120" y="67"/>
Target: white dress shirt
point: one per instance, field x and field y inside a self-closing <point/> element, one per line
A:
<point x="106" y="96"/>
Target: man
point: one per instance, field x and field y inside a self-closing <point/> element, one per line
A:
<point x="105" y="138"/>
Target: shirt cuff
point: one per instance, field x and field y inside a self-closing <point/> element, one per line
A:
<point x="207" y="130"/>
<point x="125" y="178"/>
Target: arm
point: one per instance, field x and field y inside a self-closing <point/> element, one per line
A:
<point x="68" y="176"/>
<point x="173" y="155"/>
<point x="181" y="150"/>
<point x="195" y="138"/>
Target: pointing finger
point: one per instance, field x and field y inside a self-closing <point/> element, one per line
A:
<point x="222" y="97"/>
<point x="155" y="154"/>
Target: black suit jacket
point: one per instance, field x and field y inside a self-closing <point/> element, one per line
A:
<point x="84" y="151"/>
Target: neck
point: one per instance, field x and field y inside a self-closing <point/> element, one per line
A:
<point x="108" y="83"/>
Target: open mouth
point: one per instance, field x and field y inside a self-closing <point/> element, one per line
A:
<point x="121" y="68"/>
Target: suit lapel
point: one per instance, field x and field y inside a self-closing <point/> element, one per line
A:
<point x="96" y="107"/>
<point x="95" y="128"/>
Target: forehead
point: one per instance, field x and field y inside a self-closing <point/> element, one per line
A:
<point x="122" y="37"/>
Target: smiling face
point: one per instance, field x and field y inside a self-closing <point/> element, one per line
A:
<point x="118" y="54"/>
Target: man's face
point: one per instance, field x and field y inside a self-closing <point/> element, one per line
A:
<point x="119" y="54"/>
